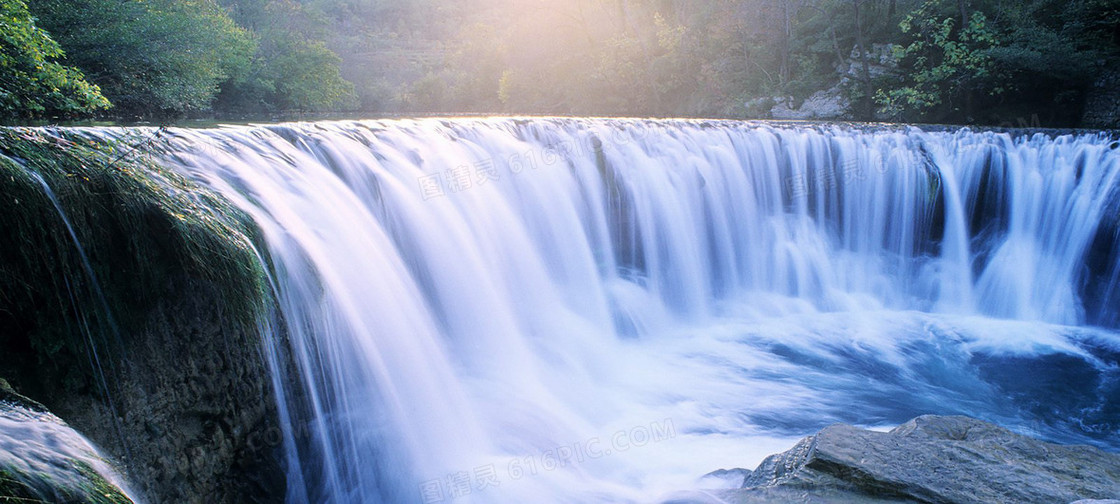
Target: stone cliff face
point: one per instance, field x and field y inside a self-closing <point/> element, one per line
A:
<point x="833" y="103"/>
<point x="195" y="418"/>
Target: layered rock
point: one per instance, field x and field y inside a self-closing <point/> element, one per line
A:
<point x="194" y="418"/>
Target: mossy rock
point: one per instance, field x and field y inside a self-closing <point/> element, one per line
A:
<point x="98" y="233"/>
<point x="131" y="299"/>
<point x="70" y="480"/>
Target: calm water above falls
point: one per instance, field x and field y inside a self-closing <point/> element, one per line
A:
<point x="564" y="310"/>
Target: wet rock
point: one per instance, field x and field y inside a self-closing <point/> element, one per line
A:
<point x="727" y="477"/>
<point x="195" y="403"/>
<point x="833" y="103"/>
<point x="948" y="459"/>
<point x="152" y="349"/>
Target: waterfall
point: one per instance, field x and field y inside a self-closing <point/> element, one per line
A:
<point x="594" y="310"/>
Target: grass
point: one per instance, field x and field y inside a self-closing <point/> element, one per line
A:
<point x="88" y="487"/>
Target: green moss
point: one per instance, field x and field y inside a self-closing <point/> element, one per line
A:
<point x="95" y="489"/>
<point x="13" y="489"/>
<point x="87" y="487"/>
<point x="149" y="235"/>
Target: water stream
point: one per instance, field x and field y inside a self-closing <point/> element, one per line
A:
<point x="593" y="310"/>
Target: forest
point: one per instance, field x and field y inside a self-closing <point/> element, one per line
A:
<point x="940" y="61"/>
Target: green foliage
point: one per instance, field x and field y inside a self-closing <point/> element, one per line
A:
<point x="479" y="76"/>
<point x="642" y="60"/>
<point x="32" y="81"/>
<point x="946" y="64"/>
<point x="647" y="57"/>
<point x="1054" y="52"/>
<point x="957" y="60"/>
<point x="428" y="93"/>
<point x="1057" y="38"/>
<point x="306" y="76"/>
<point x="1011" y="60"/>
<point x="152" y="58"/>
<point x="292" y="68"/>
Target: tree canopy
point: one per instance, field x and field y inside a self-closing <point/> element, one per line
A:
<point x="982" y="61"/>
<point x="292" y="67"/>
<point x="150" y="57"/>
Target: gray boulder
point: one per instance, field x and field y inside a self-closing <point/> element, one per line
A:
<point x="822" y="105"/>
<point x="832" y="103"/>
<point x="931" y="459"/>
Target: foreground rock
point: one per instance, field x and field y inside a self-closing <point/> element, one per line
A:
<point x="197" y="420"/>
<point x="948" y="459"/>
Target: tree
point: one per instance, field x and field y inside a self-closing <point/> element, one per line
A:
<point x="32" y="82"/>
<point x="1010" y="60"/>
<point x="947" y="65"/>
<point x="864" y="111"/>
<point x="292" y="67"/>
<point x="307" y="76"/>
<point x="152" y="58"/>
<point x="1051" y="54"/>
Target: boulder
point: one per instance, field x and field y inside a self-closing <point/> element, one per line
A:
<point x="195" y="418"/>
<point x="942" y="459"/>
<point x="822" y="105"/>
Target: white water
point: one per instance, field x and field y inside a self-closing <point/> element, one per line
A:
<point x="606" y="310"/>
<point x="48" y="457"/>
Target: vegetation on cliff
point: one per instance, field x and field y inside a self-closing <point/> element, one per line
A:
<point x="17" y="487"/>
<point x="131" y="304"/>
<point x="153" y="57"/>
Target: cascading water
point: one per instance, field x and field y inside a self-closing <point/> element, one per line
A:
<point x="47" y="461"/>
<point x="562" y="310"/>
